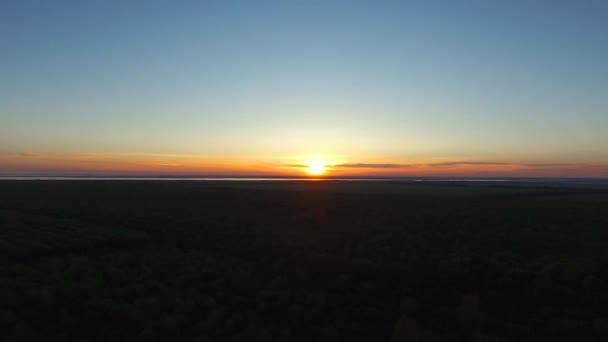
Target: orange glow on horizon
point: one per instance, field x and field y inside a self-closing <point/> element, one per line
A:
<point x="56" y="164"/>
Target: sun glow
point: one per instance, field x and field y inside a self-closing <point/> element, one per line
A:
<point x="316" y="167"/>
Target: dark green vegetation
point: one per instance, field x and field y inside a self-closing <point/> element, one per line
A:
<point x="311" y="261"/>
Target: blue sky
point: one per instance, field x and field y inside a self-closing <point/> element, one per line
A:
<point x="398" y="81"/>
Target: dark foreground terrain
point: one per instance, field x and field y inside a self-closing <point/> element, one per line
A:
<point x="303" y="261"/>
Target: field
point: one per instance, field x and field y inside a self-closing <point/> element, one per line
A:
<point x="303" y="261"/>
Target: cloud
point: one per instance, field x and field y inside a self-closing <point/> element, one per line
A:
<point x="550" y="165"/>
<point x="490" y="163"/>
<point x="372" y="166"/>
<point x="360" y="165"/>
<point x="529" y="166"/>
<point x="457" y="163"/>
<point x="19" y="154"/>
<point x="26" y="154"/>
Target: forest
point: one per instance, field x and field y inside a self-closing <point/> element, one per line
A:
<point x="109" y="260"/>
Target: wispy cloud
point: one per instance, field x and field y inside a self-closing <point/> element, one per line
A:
<point x="448" y="165"/>
<point x="19" y="154"/>
<point x="492" y="163"/>
<point x="458" y="163"/>
<point x="550" y="165"/>
<point x="360" y="165"/>
<point x="372" y="166"/>
<point x="27" y="154"/>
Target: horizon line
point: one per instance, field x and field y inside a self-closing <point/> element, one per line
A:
<point x="270" y="177"/>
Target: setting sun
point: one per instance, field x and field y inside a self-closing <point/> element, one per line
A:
<point x="316" y="167"/>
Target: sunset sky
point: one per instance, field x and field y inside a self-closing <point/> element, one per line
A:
<point x="275" y="88"/>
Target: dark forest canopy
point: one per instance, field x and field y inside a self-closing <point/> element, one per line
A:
<point x="302" y="261"/>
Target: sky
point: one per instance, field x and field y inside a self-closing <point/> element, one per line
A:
<point x="269" y="88"/>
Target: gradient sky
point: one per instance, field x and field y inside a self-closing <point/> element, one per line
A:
<point x="469" y="88"/>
